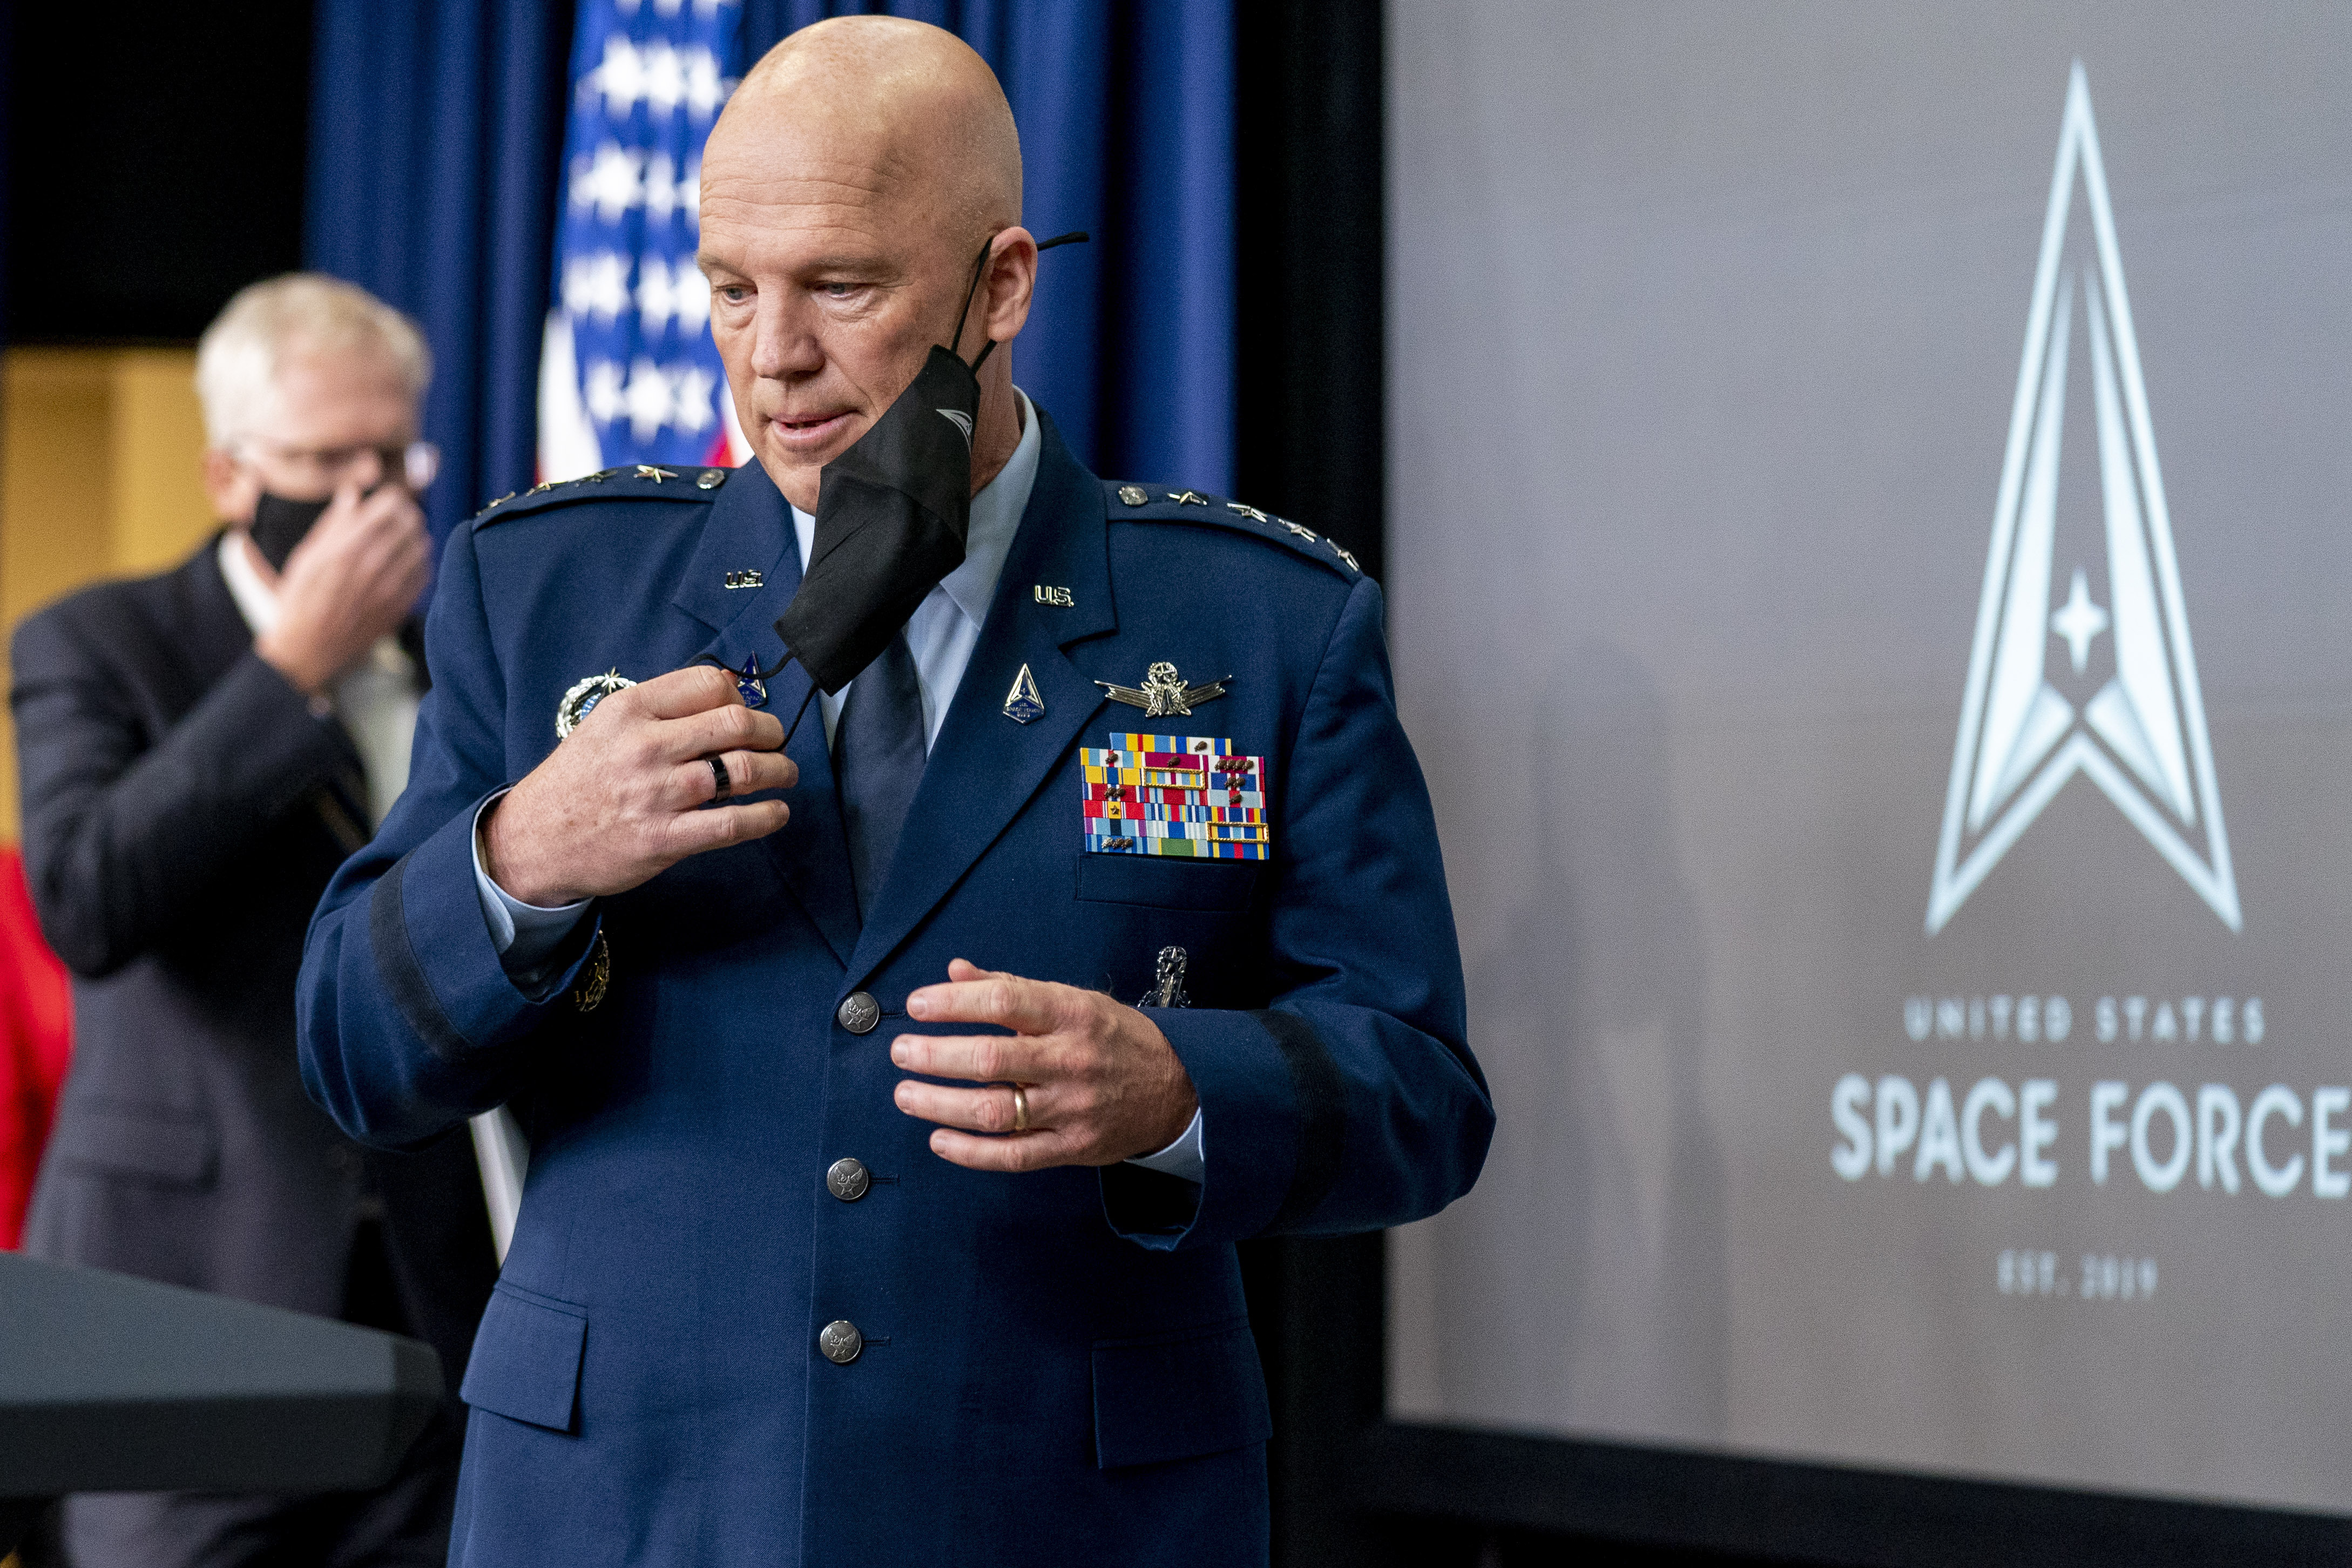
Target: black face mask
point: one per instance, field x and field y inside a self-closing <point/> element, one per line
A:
<point x="892" y="513"/>
<point x="278" y="525"/>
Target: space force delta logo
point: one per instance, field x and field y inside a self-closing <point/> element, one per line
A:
<point x="2134" y="722"/>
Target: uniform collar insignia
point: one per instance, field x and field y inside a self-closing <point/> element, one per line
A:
<point x="1024" y="703"/>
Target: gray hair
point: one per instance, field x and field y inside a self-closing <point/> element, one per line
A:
<point x="301" y="313"/>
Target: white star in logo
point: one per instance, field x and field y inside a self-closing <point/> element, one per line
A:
<point x="2078" y="621"/>
<point x="2142" y="739"/>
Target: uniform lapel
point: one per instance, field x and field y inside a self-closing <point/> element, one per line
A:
<point x="983" y="767"/>
<point x="750" y="529"/>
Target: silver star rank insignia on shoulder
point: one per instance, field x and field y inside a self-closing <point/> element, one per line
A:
<point x="1164" y="693"/>
<point x="582" y="699"/>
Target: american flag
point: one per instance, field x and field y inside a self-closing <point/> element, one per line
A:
<point x="627" y="373"/>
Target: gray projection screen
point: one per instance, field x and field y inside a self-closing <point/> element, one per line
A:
<point x="1879" y="630"/>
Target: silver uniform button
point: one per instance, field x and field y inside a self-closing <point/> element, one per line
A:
<point x="840" y="1341"/>
<point x="859" y="1013"/>
<point x="849" y="1179"/>
<point x="709" y="478"/>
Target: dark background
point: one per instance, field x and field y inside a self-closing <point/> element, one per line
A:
<point x="140" y="196"/>
<point x="153" y="171"/>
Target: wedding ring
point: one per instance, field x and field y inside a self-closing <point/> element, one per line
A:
<point x="1020" y="1109"/>
<point x="719" y="776"/>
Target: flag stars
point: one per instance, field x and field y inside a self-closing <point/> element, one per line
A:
<point x="2079" y="621"/>
<point x="651" y="396"/>
<point x="691" y="387"/>
<point x="703" y="89"/>
<point x="618" y="179"/>
<point x="612" y="182"/>
<point x="668" y="291"/>
<point x="598" y="285"/>
<point x="661" y="76"/>
<point x="646" y="399"/>
<point x="664" y="76"/>
<point x="689" y="295"/>
<point x="601" y="390"/>
<point x="665" y="192"/>
<point x="619" y="78"/>
<point x="636" y="310"/>
<point x="660" y="189"/>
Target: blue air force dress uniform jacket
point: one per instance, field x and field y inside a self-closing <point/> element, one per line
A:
<point x="1045" y="1368"/>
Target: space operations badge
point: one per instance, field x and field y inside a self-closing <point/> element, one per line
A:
<point x="1185" y="796"/>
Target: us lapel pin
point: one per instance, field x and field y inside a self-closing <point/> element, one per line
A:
<point x="1023" y="704"/>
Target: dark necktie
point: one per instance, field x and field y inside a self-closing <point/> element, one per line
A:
<point x="877" y="755"/>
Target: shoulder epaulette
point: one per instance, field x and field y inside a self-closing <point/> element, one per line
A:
<point x="635" y="481"/>
<point x="1140" y="503"/>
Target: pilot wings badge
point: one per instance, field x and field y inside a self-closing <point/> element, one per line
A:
<point x="1164" y="693"/>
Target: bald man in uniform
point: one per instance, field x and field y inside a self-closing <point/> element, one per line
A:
<point x="895" y="1095"/>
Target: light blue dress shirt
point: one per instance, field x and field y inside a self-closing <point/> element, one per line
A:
<point x="940" y="633"/>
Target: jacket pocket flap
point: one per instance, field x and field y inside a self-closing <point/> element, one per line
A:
<point x="526" y="1360"/>
<point x="165" y="1145"/>
<point x="1177" y="1396"/>
<point x="1167" y="882"/>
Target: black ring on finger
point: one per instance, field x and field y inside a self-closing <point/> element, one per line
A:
<point x="719" y="776"/>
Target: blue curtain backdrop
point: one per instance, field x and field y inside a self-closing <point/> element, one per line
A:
<point x="436" y="128"/>
<point x="435" y="140"/>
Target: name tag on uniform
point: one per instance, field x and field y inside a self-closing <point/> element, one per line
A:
<point x="1186" y="795"/>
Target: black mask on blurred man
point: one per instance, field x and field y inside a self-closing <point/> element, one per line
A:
<point x="278" y="525"/>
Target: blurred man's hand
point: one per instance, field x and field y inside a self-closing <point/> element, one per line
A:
<point x="353" y="579"/>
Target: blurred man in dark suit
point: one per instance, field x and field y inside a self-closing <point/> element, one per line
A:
<point x="199" y="751"/>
